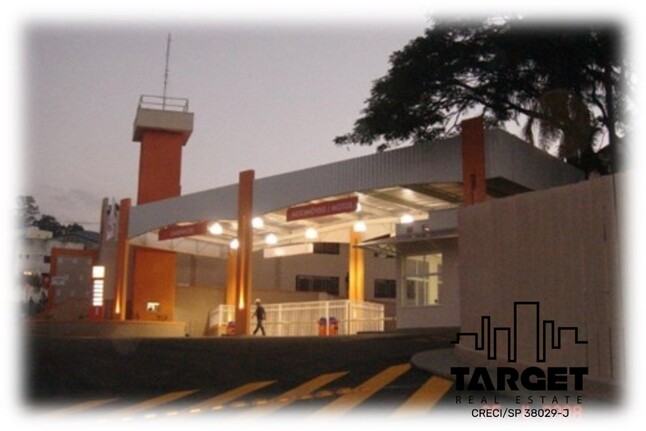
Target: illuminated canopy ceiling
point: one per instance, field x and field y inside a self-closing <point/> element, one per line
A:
<point x="411" y="181"/>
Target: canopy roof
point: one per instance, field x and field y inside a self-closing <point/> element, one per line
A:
<point x="413" y="180"/>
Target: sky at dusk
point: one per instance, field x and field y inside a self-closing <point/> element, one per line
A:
<point x="270" y="90"/>
<point x="265" y="96"/>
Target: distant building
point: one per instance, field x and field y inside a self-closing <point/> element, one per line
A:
<point x="39" y="252"/>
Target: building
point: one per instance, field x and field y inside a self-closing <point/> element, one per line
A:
<point x="383" y="227"/>
<point x="482" y="232"/>
<point x="70" y="258"/>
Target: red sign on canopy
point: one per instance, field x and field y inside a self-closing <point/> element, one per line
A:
<point x="178" y="231"/>
<point x="338" y="206"/>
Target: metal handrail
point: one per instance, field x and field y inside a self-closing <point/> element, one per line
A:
<point x="176" y="104"/>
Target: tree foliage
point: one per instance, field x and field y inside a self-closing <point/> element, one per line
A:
<point x="562" y="84"/>
<point x="29" y="215"/>
<point x="28" y="211"/>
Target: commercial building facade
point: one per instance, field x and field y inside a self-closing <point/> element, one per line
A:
<point x="453" y="233"/>
<point x="383" y="227"/>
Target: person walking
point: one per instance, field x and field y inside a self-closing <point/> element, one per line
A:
<point x="260" y="315"/>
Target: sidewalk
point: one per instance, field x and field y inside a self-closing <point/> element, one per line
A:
<point x="437" y="362"/>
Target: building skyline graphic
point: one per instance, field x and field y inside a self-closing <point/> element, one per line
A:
<point x="546" y="329"/>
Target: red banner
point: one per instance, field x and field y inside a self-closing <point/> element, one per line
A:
<point x="177" y="231"/>
<point x="345" y="205"/>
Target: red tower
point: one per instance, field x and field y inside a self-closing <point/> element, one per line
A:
<point x="162" y="126"/>
<point x="163" y="129"/>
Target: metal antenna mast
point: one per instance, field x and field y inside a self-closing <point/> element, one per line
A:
<point x="166" y="71"/>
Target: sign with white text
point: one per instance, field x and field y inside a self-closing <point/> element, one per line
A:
<point x="322" y="209"/>
<point x="178" y="231"/>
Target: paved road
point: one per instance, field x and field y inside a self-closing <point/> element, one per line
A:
<point x="396" y="392"/>
<point x="162" y="378"/>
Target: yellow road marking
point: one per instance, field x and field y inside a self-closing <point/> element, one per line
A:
<point x="83" y="407"/>
<point x="348" y="401"/>
<point x="217" y="402"/>
<point x="425" y="397"/>
<point x="292" y="395"/>
<point x="153" y="402"/>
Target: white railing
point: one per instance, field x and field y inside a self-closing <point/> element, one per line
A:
<point x="219" y="319"/>
<point x="177" y="104"/>
<point x="343" y="317"/>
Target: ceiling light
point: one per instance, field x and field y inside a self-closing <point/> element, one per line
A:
<point x="311" y="233"/>
<point x="234" y="244"/>
<point x="257" y="223"/>
<point x="406" y="219"/>
<point x="360" y="226"/>
<point x="271" y="239"/>
<point x="216" y="228"/>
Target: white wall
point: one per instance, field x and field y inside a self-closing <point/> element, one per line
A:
<point x="559" y="247"/>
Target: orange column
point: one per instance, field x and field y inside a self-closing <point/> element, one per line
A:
<point x="121" y="296"/>
<point x="356" y="271"/>
<point x="232" y="263"/>
<point x="245" y="238"/>
<point x="155" y="284"/>
<point x="474" y="183"/>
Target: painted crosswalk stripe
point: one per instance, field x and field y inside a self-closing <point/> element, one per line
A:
<point x="364" y="391"/>
<point x="292" y="395"/>
<point x="153" y="403"/>
<point x="217" y="402"/>
<point x="425" y="397"/>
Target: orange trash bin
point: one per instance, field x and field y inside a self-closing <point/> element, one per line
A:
<point x="322" y="327"/>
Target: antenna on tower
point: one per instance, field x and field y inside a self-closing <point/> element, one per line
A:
<point x="166" y="72"/>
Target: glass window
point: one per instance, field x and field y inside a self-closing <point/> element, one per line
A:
<point x="422" y="279"/>
<point x="317" y="283"/>
<point x="385" y="288"/>
<point x="326" y="248"/>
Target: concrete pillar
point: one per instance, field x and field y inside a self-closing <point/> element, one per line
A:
<point x="245" y="238"/>
<point x="474" y="182"/>
<point x="121" y="295"/>
<point x="356" y="269"/>
<point x="232" y="263"/>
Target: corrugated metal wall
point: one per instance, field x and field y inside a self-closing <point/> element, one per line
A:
<point x="560" y="248"/>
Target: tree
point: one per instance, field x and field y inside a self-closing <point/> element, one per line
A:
<point x="49" y="223"/>
<point x="29" y="215"/>
<point x="563" y="85"/>
<point x="28" y="211"/>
